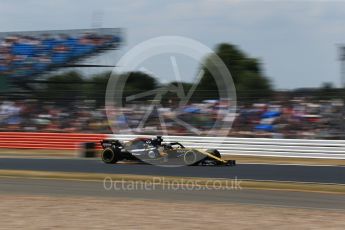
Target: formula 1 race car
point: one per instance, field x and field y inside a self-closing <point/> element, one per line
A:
<point x="155" y="151"/>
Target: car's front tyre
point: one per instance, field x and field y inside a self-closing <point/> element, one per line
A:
<point x="190" y="158"/>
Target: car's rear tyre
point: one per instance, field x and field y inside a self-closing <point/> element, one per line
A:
<point x="109" y="156"/>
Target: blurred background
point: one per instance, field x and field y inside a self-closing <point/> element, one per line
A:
<point x="284" y="124"/>
<point x="288" y="81"/>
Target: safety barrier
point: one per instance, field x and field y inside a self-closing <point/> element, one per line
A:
<point x="298" y="148"/>
<point x="58" y="141"/>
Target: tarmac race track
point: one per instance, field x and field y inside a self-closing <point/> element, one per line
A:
<point x="298" y="173"/>
<point x="66" y="188"/>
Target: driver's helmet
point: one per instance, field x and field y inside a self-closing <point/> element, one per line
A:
<point x="157" y="141"/>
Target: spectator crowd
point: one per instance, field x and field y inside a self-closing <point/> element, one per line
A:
<point x="27" y="55"/>
<point x="298" y="118"/>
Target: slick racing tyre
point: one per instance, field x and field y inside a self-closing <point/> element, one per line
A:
<point x="109" y="156"/>
<point x="190" y="158"/>
<point x="152" y="154"/>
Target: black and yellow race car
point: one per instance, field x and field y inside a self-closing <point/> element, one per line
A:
<point x="156" y="151"/>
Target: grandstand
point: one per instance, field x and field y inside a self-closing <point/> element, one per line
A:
<point x="32" y="53"/>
